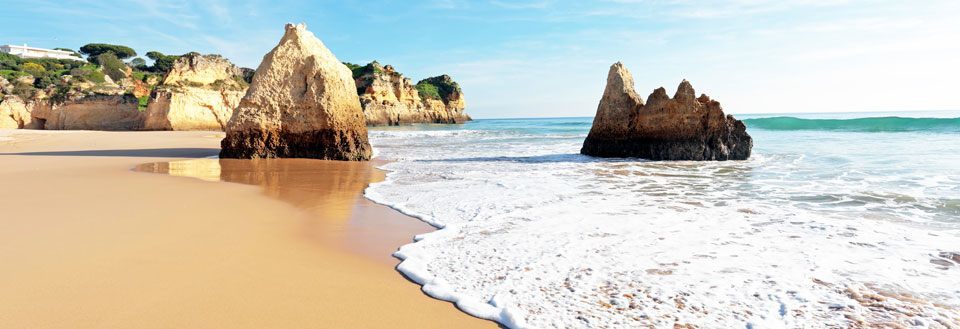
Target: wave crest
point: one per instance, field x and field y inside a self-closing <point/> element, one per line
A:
<point x="873" y="124"/>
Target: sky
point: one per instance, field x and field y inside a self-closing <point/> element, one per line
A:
<point x="549" y="58"/>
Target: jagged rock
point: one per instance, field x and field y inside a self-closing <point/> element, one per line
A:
<point x="5" y="86"/>
<point x="95" y="112"/>
<point x="14" y="113"/>
<point x="199" y="93"/>
<point x="140" y="89"/>
<point x="302" y="103"/>
<point x="682" y="128"/>
<point x="388" y="98"/>
<point x="25" y="80"/>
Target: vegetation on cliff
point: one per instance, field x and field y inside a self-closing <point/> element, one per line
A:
<point x="111" y="70"/>
<point x="438" y="87"/>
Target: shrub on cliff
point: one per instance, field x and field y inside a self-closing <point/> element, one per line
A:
<point x="54" y="64"/>
<point x="444" y="86"/>
<point x="11" y="75"/>
<point x="359" y="71"/>
<point x="94" y="50"/>
<point x="427" y="90"/>
<point x="9" y="62"/>
<point x="33" y="69"/>
<point x="89" y="73"/>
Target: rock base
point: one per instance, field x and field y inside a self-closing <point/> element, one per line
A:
<point x="318" y="144"/>
<point x="694" y="150"/>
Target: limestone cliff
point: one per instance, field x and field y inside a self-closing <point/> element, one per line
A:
<point x="302" y="103"/>
<point x="14" y="113"/>
<point x="199" y="93"/>
<point x="684" y="127"/>
<point x="94" y="112"/>
<point x="388" y="98"/>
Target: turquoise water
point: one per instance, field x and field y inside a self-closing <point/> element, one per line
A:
<point x="535" y="233"/>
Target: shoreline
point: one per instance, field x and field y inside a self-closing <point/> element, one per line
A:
<point x="107" y="246"/>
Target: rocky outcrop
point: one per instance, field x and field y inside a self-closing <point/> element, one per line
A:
<point x="684" y="127"/>
<point x="388" y="98"/>
<point x="95" y="112"/>
<point x="302" y="103"/>
<point x="194" y="68"/>
<point x="14" y="113"/>
<point x="199" y="93"/>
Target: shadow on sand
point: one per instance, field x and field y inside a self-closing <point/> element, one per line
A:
<point x="147" y="153"/>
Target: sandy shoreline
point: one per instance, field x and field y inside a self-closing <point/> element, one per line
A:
<point x="88" y="242"/>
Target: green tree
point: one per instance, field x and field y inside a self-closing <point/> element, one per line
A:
<point x="112" y="66"/>
<point x="93" y="50"/>
<point x="139" y="63"/>
<point x="161" y="63"/>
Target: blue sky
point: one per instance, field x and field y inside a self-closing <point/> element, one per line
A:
<point x="543" y="58"/>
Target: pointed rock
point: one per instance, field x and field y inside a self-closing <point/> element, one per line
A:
<point x="685" y="92"/>
<point x="618" y="105"/>
<point x="302" y="103"/>
<point x="682" y="128"/>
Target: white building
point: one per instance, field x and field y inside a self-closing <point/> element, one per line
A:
<point x="31" y="52"/>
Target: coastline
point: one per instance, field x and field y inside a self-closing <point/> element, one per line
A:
<point x="103" y="245"/>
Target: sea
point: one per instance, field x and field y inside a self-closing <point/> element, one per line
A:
<point x="836" y="220"/>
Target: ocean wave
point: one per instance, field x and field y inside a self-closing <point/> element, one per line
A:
<point x="873" y="124"/>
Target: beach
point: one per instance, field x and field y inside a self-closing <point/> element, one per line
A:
<point x="98" y="231"/>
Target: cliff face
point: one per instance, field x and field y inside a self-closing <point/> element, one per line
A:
<point x="684" y="127"/>
<point x="13" y="113"/>
<point x="388" y="98"/>
<point x="302" y="103"/>
<point x="96" y="112"/>
<point x="199" y="93"/>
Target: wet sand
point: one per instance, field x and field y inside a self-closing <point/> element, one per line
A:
<point x="87" y="242"/>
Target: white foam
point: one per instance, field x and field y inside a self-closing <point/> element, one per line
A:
<point x="534" y="235"/>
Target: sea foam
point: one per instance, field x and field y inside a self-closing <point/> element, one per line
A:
<point x="814" y="230"/>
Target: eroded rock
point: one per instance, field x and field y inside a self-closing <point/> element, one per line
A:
<point x="199" y="93"/>
<point x="684" y="127"/>
<point x="302" y="103"/>
<point x="389" y="98"/>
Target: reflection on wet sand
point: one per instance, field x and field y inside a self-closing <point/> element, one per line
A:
<point x="329" y="192"/>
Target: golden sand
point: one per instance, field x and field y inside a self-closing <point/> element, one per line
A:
<point x="87" y="242"/>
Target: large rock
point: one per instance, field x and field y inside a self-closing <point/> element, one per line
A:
<point x="684" y="127"/>
<point x="199" y="93"/>
<point x="388" y="98"/>
<point x="14" y="113"/>
<point x="302" y="103"/>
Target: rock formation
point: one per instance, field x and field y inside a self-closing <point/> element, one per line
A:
<point x="302" y="103"/>
<point x="95" y="112"/>
<point x="684" y="127"/>
<point x="14" y="113"/>
<point x="388" y="98"/>
<point x="199" y="93"/>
